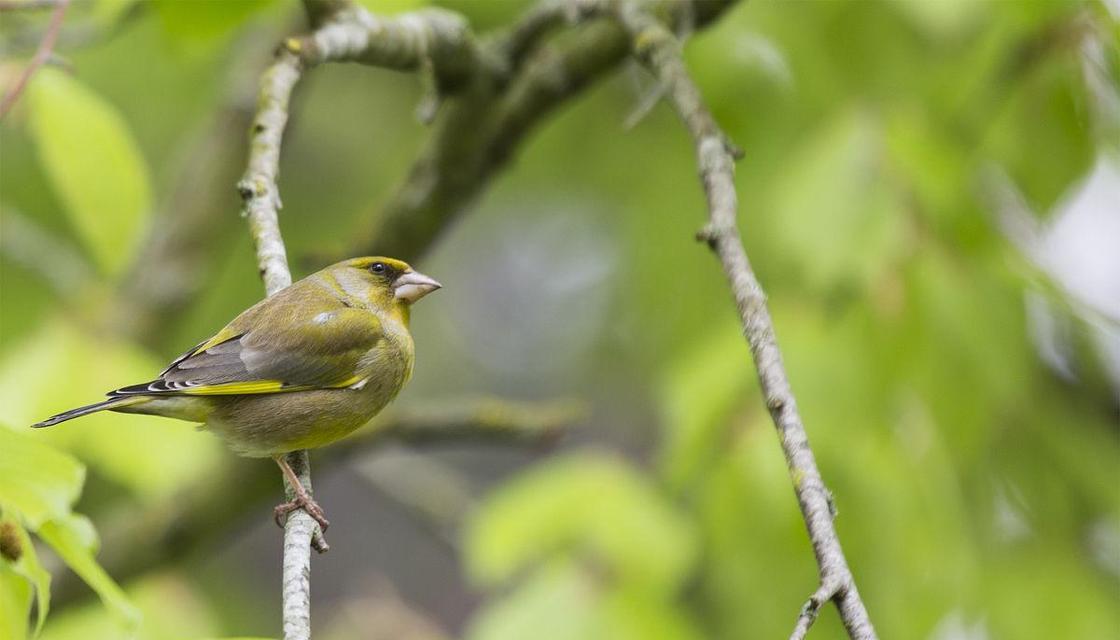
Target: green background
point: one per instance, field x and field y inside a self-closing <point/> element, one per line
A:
<point x="953" y="377"/>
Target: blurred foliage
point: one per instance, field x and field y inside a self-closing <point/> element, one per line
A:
<point x="93" y="164"/>
<point x="977" y="481"/>
<point x="38" y="487"/>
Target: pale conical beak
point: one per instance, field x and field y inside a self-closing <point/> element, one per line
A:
<point x="410" y="286"/>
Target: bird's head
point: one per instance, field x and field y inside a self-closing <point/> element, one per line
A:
<point x="389" y="283"/>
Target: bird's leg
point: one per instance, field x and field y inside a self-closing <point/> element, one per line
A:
<point x="303" y="500"/>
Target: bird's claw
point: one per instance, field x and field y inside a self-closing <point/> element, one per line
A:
<point x="312" y="508"/>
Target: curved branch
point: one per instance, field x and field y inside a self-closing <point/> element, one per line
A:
<point x="407" y="42"/>
<point x="261" y="197"/>
<point x="659" y="50"/>
<point x="482" y="126"/>
<point x="42" y="54"/>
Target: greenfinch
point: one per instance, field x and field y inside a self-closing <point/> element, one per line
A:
<point x="298" y="370"/>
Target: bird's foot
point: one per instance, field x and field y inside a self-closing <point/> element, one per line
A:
<point x="305" y="502"/>
<point x="301" y="500"/>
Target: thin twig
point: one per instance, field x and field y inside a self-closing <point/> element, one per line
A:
<point x="42" y="54"/>
<point x="516" y="43"/>
<point x="657" y="47"/>
<point x="812" y="608"/>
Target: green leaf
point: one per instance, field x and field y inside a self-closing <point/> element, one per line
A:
<point x="587" y="502"/>
<point x="943" y="18"/>
<point x="93" y="163"/>
<point x="556" y="603"/>
<point x="109" y="12"/>
<point x="151" y="456"/>
<point x="390" y="7"/>
<point x="28" y="566"/>
<point x="15" y="603"/>
<point x="567" y="601"/>
<point x="173" y="608"/>
<point x="836" y="219"/>
<point x="199" y="27"/>
<point x="700" y="391"/>
<point x="630" y="614"/>
<point x="37" y="481"/>
<point x="75" y="541"/>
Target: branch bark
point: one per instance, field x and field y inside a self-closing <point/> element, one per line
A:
<point x="261" y="196"/>
<point x="469" y="145"/>
<point x="349" y="33"/>
<point x="525" y="79"/>
<point x="657" y="48"/>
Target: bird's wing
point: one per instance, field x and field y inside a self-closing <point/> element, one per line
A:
<point x="294" y="350"/>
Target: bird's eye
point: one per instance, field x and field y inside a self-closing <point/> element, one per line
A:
<point x="378" y="267"/>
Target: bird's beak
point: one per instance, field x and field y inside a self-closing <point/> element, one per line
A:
<point x="410" y="286"/>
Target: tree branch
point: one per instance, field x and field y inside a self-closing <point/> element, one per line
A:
<point x="261" y="197"/>
<point x="659" y="50"/>
<point x="42" y="54"/>
<point x="437" y="38"/>
<point x="484" y="420"/>
<point x="484" y="123"/>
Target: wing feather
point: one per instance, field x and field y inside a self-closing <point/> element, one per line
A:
<point x="275" y="346"/>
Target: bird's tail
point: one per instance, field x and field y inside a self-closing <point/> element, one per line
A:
<point x="111" y="403"/>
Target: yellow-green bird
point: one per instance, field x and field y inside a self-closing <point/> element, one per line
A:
<point x="297" y="370"/>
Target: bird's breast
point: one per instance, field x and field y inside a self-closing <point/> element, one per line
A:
<point x="386" y="367"/>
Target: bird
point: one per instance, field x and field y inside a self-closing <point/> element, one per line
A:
<point x="298" y="370"/>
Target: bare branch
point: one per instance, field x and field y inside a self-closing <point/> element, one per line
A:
<point x="46" y="48"/>
<point x="812" y="608"/>
<point x="482" y="126"/>
<point x="486" y="419"/>
<point x="261" y="196"/>
<point x="405" y="42"/>
<point x="258" y="187"/>
<point x="657" y="47"/>
<point x="515" y="44"/>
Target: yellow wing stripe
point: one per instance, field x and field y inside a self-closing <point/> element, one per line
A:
<point x="257" y="387"/>
<point x="236" y="388"/>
